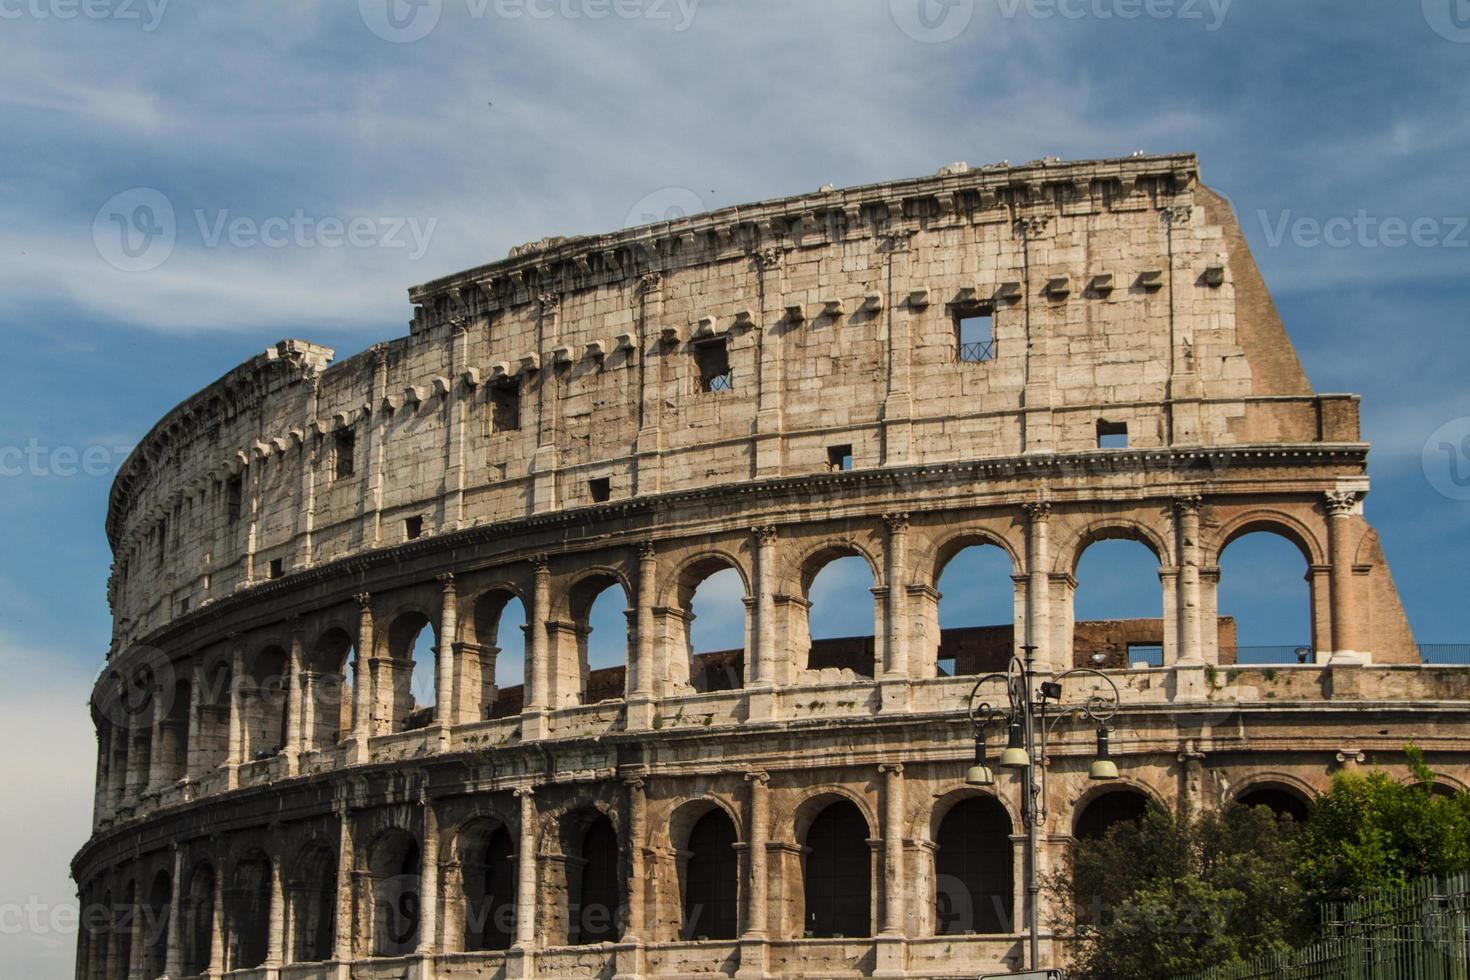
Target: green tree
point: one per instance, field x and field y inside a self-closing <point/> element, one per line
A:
<point x="1371" y="832"/>
<point x="1165" y="896"/>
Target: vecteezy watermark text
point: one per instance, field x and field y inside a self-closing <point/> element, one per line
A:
<point x="148" y="13"/>
<point x="301" y="230"/>
<point x="1211" y="13"/>
<point x="405" y="21"/>
<point x="1364" y="230"/>
<point x="34" y="459"/>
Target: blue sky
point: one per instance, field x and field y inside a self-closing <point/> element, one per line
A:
<point x="510" y="120"/>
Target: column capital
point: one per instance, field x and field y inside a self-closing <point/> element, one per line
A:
<point x="897" y="522"/>
<point x="524" y="792"/>
<point x="550" y="303"/>
<point x="759" y="776"/>
<point x="646" y="550"/>
<point x="893" y="768"/>
<point x="541" y="562"/>
<point x="446" y="581"/>
<point x="650" y="282"/>
<point x="1341" y="502"/>
<point x="769" y="258"/>
<point x="1188" y="504"/>
<point x="364" y="600"/>
<point x="1037" y="512"/>
<point x="764" y="534"/>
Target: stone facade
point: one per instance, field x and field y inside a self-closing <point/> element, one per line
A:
<point x="764" y="389"/>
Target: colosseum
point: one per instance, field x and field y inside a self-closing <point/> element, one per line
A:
<point x="1025" y="360"/>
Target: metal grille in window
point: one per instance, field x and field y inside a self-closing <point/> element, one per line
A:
<point x="977" y="352"/>
<point x="719" y="382"/>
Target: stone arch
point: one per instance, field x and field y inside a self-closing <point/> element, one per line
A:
<point x="411" y="680"/>
<point x="977" y="647"/>
<point x="709" y="871"/>
<point x="1277" y="522"/>
<point x="197" y="925"/>
<point x="1070" y="550"/>
<point x="847" y="657"/>
<point x="705" y="670"/>
<point x="836" y="867"/>
<point x="485" y="849"/>
<point x="394" y="868"/>
<point x="492" y="664"/>
<point x="576" y="680"/>
<point x="1117" y="634"/>
<point x="155" y="925"/>
<point x="593" y="866"/>
<point x="814" y="558"/>
<point x="263" y="695"/>
<point x="1283" y="794"/>
<point x="1119" y="808"/>
<point x="311" y="892"/>
<point x="974" y="864"/>
<point x="684" y="816"/>
<point x="812" y="800"/>
<point x="247" y="910"/>
<point x="174" y="731"/>
<point x="329" y="668"/>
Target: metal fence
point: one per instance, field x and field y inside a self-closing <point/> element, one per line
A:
<point x="1438" y="654"/>
<point x="1445" y="654"/>
<point x="1421" y="932"/>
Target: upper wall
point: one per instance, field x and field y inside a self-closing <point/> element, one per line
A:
<point x="1121" y="295"/>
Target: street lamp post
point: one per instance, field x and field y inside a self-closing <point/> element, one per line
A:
<point x="1029" y="726"/>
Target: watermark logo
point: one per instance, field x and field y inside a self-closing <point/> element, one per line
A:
<point x="139" y="689"/>
<point x="135" y="231"/>
<point x="1446" y="459"/>
<point x="1364" y="230"/>
<point x="306" y="231"/>
<point x="664" y="204"/>
<point x="1450" y="19"/>
<point x="932" y="21"/>
<point x="37" y="460"/>
<point x="147" y="13"/>
<point x="401" y="21"/>
<point x="1212" y="14"/>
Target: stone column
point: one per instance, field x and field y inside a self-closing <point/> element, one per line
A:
<point x="196" y="701"/>
<point x="1347" y="646"/>
<point x="526" y="872"/>
<point x="294" y="701"/>
<point x="637" y="834"/>
<point x="217" y="923"/>
<point x="760" y="815"/>
<point x="895" y="647"/>
<point x="173" y="963"/>
<point x="543" y="463"/>
<point x="429" y="883"/>
<point x="346" y="858"/>
<point x="769" y="364"/>
<point x="136" y="945"/>
<point x="761" y="662"/>
<point x="444" y="660"/>
<point x="533" y="723"/>
<point x="893" y="871"/>
<point x="650" y="437"/>
<point x="362" y="681"/>
<point x="1188" y="606"/>
<point x="237" y="722"/>
<point x="1038" y="593"/>
<point x="275" y="952"/>
<point x="644" y="681"/>
<point x="156" y="775"/>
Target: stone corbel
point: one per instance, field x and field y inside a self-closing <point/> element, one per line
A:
<point x="1058" y="287"/>
<point x="470" y="379"/>
<point x="390" y="404"/>
<point x="704" y="329"/>
<point x="499" y="371"/>
<point x="670" y="335"/>
<point x="1009" y="292"/>
<point x="1102" y="283"/>
<point x="626" y="341"/>
<point x="413" y="395"/>
<point x="919" y="298"/>
<point x="1151" y="279"/>
<point x="595" y="349"/>
<point x="795" y="314"/>
<point x="1214" y="276"/>
<point x="441" y="386"/>
<point x="873" y="302"/>
<point x="528" y="363"/>
<point x="561" y="354"/>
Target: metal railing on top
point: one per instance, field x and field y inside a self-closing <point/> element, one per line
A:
<point x="1438" y="654"/>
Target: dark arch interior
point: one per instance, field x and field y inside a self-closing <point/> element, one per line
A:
<point x="594" y="917"/>
<point x="1285" y="803"/>
<point x="1107" y="811"/>
<point x="839" y="873"/>
<point x="490" y="890"/>
<point x="155" y="923"/>
<point x="331" y="691"/>
<point x="395" y="873"/>
<point x="249" y="903"/>
<point x="973" y="867"/>
<point x="198" y="921"/>
<point x="313" y="897"/>
<point x="711" y="891"/>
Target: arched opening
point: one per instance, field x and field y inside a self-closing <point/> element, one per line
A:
<point x="412" y="641"/>
<point x="1105" y="812"/>
<point x="247" y="912"/>
<point x="838" y="873"/>
<point x="716" y="630"/>
<point x="155" y="924"/>
<point x="594" y="881"/>
<point x="493" y="666"/>
<point x="198" y="921"/>
<point x="603" y="631"/>
<point x="1286" y="803"/>
<point x="328" y="680"/>
<point x="838" y="589"/>
<point x="312" y="894"/>
<point x="973" y="864"/>
<point x="1118" y="609"/>
<point x="1264" y="590"/>
<point x="120" y="949"/>
<point x="488" y="868"/>
<point x="174" y="733"/>
<point x="264" y="701"/>
<point x="711" y="879"/>
<point x="213" y="729"/>
<point x="976" y="611"/>
<point x="394" y="870"/>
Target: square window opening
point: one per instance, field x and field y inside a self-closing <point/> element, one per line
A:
<point x="505" y="408"/>
<point x="839" y="458"/>
<point x="601" y="489"/>
<point x="413" y="527"/>
<point x="975" y="335"/>
<point x="1112" y="435"/>
<point x="712" y="359"/>
<point x="1146" y="653"/>
<point x="344" y="447"/>
<point x="277" y="568"/>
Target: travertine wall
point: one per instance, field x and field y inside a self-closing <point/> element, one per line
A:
<point x="269" y="778"/>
